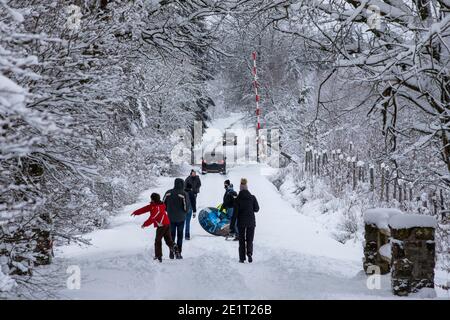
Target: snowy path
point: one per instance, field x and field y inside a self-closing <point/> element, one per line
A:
<point x="294" y="256"/>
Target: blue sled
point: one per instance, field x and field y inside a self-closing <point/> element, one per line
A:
<point x="214" y="221"/>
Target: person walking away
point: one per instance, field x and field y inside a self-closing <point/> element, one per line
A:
<point x="177" y="204"/>
<point x="245" y="207"/>
<point x="228" y="203"/>
<point x="195" y="182"/>
<point x="159" y="218"/>
<point x="192" y="212"/>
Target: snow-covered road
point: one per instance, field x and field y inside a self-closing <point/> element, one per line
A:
<point x="294" y="256"/>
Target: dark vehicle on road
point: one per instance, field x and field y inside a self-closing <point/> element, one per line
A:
<point x="229" y="138"/>
<point x="214" y="162"/>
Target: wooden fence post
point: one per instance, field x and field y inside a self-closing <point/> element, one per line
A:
<point x="382" y="182"/>
<point x="354" y="173"/>
<point x="315" y="163"/>
<point x="318" y="157"/>
<point x="394" y="195"/>
<point x="400" y="193"/>
<point x="333" y="157"/>
<point x="372" y="178"/>
<point x="435" y="203"/>
<point x="387" y="187"/>
<point x="360" y="165"/>
<point x="306" y="159"/>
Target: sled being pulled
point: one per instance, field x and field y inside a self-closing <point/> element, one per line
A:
<point x="214" y="221"/>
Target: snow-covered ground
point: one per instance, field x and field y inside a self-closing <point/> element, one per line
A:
<point x="294" y="256"/>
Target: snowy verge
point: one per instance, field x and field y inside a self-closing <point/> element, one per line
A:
<point x="344" y="217"/>
<point x="341" y="217"/>
<point x="6" y="282"/>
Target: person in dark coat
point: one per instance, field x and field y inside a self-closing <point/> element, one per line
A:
<point x="192" y="212"/>
<point x="245" y="207"/>
<point x="228" y="204"/>
<point x="177" y="206"/>
<point x="195" y="182"/>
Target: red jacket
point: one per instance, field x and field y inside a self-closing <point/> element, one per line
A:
<point x="158" y="215"/>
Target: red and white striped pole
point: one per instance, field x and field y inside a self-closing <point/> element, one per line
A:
<point x="255" y="85"/>
<point x="258" y="110"/>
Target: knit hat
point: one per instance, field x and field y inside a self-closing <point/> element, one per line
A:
<point x="227" y="182"/>
<point x="243" y="185"/>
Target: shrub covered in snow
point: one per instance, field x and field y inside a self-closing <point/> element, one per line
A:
<point x="85" y="115"/>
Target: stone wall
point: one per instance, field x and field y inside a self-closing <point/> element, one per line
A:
<point x="413" y="259"/>
<point x="375" y="238"/>
<point x="377" y="234"/>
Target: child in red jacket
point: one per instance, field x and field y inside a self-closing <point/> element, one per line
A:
<point x="159" y="218"/>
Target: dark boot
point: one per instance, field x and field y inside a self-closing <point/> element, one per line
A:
<point x="173" y="251"/>
<point x="178" y="253"/>
<point x="158" y="258"/>
<point x="250" y="259"/>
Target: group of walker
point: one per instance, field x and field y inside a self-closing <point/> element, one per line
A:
<point x="171" y="216"/>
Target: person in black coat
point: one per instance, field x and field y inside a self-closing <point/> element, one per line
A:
<point x="195" y="182"/>
<point x="177" y="206"/>
<point x="228" y="204"/>
<point x="245" y="207"/>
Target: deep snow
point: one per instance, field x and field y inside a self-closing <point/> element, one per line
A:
<point x="294" y="256"/>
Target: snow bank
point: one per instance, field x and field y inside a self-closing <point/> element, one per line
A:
<point x="380" y="216"/>
<point x="412" y="220"/>
<point x="424" y="293"/>
<point x="6" y="283"/>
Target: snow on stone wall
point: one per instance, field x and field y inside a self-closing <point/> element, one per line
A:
<point x="412" y="221"/>
<point x="380" y="216"/>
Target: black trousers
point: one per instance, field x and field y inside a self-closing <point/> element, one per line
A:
<point x="162" y="233"/>
<point x="246" y="235"/>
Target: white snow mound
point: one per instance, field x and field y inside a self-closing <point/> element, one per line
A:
<point x="412" y="220"/>
<point x="380" y="216"/>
